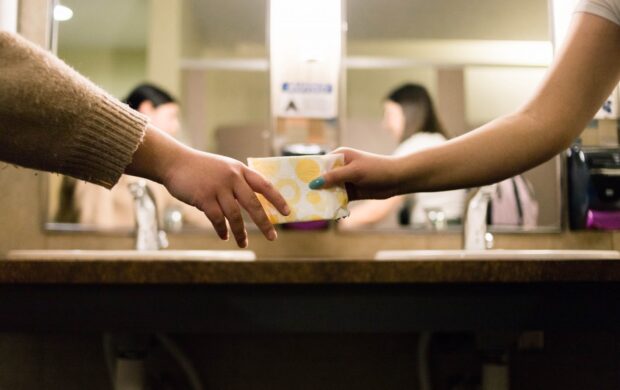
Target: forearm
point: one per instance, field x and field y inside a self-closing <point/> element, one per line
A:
<point x="53" y="119"/>
<point x="500" y="149"/>
<point x="583" y="76"/>
<point x="155" y="155"/>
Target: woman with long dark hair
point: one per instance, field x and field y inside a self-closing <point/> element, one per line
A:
<point x="409" y="117"/>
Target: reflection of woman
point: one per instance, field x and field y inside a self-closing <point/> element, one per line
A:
<point x="584" y="74"/>
<point x="99" y="207"/>
<point x="409" y="116"/>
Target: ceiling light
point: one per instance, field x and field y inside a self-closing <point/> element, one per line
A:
<point x="62" y="13"/>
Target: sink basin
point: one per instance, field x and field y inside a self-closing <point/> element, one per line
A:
<point x="85" y="255"/>
<point x="497" y="254"/>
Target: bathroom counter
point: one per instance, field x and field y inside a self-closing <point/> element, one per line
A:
<point x="117" y="269"/>
<point x="308" y="295"/>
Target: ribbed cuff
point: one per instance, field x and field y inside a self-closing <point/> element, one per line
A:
<point x="109" y="134"/>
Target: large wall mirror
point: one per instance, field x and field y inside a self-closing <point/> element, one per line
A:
<point x="475" y="60"/>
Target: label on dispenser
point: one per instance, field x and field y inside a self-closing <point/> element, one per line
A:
<point x="308" y="100"/>
<point x="305" y="58"/>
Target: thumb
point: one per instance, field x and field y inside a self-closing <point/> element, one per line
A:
<point x="335" y="177"/>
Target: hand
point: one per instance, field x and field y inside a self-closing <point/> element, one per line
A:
<point x="365" y="175"/>
<point x="218" y="186"/>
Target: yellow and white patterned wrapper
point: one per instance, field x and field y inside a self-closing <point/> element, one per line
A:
<point x="291" y="176"/>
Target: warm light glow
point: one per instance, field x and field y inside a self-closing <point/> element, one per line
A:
<point x="8" y="15"/>
<point x="315" y="26"/>
<point x="562" y="12"/>
<point x="62" y="13"/>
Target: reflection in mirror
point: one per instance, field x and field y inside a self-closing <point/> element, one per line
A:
<point x="477" y="60"/>
<point x="106" y="42"/>
<point x="120" y="45"/>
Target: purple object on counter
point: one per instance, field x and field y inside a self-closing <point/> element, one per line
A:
<point x="605" y="220"/>
<point x="310" y="225"/>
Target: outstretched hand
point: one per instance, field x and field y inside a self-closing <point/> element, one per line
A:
<point x="219" y="186"/>
<point x="365" y="175"/>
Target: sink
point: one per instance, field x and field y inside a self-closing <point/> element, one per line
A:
<point x="117" y="255"/>
<point x="497" y="254"/>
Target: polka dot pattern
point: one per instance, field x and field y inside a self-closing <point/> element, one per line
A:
<point x="307" y="170"/>
<point x="291" y="175"/>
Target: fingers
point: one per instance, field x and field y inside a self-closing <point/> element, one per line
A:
<point x="248" y="200"/>
<point x="259" y="184"/>
<point x="232" y="212"/>
<point x="216" y="216"/>
<point x="336" y="176"/>
<point x="348" y="153"/>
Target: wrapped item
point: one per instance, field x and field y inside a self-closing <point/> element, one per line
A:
<point x="291" y="176"/>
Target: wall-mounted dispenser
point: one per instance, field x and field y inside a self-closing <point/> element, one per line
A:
<point x="306" y="44"/>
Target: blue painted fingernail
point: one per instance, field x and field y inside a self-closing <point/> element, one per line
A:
<point x="317" y="183"/>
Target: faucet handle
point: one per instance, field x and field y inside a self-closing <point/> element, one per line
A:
<point x="489" y="190"/>
<point x="489" y="240"/>
<point x="162" y="239"/>
<point x="475" y="234"/>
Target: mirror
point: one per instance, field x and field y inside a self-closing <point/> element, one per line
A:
<point x="476" y="60"/>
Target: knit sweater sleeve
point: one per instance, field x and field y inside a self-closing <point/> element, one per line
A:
<point x="54" y="119"/>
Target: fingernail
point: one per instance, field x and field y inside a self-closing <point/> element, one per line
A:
<point x="317" y="183"/>
<point x="245" y="243"/>
<point x="272" y="235"/>
<point x="287" y="210"/>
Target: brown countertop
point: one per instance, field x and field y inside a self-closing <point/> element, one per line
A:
<point x="104" y="270"/>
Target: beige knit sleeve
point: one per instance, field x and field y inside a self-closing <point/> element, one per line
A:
<point x="54" y="119"/>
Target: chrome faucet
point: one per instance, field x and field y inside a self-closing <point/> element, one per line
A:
<point x="148" y="234"/>
<point x="475" y="231"/>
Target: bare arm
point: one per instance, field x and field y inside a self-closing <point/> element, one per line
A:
<point x="579" y="81"/>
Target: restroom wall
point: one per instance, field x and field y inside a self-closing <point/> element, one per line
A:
<point x="456" y="52"/>
<point x="491" y="92"/>
<point x="235" y="98"/>
<point x="115" y="70"/>
<point x="164" y="44"/>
